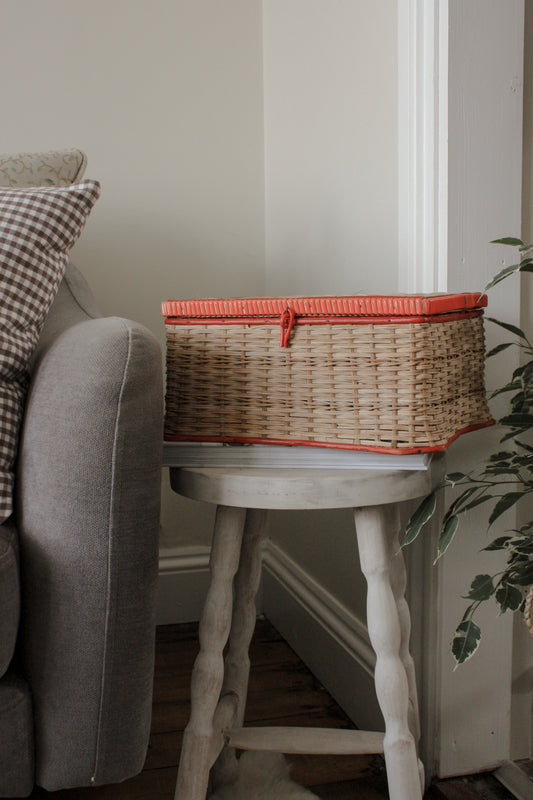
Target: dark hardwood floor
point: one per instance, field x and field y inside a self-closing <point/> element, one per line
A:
<point x="282" y="692"/>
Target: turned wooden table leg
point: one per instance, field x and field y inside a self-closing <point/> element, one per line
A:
<point x="388" y="627"/>
<point x="199" y="749"/>
<point x="237" y="662"/>
<point x="399" y="585"/>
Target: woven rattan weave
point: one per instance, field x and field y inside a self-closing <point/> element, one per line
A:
<point x="406" y="387"/>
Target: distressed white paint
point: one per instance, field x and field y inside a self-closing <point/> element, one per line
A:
<point x="200" y="737"/>
<point x="237" y="660"/>
<point x="388" y="622"/>
<point x="319" y="741"/>
<point x="305" y="489"/>
<point x="377" y="496"/>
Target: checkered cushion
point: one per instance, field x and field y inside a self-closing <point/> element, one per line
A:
<point x="38" y="226"/>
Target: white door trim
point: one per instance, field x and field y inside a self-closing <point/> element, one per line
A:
<point x="422" y="143"/>
<point x="445" y="52"/>
<point x="422" y="267"/>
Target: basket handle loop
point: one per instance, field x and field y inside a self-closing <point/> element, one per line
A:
<point x="286" y="322"/>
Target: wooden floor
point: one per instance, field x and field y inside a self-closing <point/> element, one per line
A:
<point x="282" y="692"/>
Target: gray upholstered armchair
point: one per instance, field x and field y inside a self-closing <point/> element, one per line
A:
<point x="78" y="558"/>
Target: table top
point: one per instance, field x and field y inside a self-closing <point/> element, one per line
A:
<point x="301" y="489"/>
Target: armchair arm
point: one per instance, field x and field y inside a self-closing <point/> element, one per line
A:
<point x="88" y="492"/>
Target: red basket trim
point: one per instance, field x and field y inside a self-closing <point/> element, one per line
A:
<point x="356" y="306"/>
<point x="436" y="318"/>
<point x="406" y="451"/>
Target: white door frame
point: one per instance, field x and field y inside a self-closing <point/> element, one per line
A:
<point x="452" y="131"/>
<point x="422" y="143"/>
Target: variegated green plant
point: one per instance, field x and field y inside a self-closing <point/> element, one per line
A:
<point x="503" y="479"/>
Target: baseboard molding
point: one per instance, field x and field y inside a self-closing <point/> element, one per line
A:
<point x="326" y="635"/>
<point x="182" y="585"/>
<point x="517" y="782"/>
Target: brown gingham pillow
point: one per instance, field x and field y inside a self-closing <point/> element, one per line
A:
<point x="38" y="226"/>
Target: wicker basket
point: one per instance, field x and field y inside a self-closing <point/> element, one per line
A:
<point x="397" y="374"/>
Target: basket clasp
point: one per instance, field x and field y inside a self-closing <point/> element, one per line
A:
<point x="286" y="322"/>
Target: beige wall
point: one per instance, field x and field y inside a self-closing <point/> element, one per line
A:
<point x="331" y="145"/>
<point x="521" y="731"/>
<point x="331" y="188"/>
<point x="165" y="97"/>
<point x="527" y="185"/>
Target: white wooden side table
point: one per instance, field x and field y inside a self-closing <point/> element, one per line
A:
<point x="219" y="686"/>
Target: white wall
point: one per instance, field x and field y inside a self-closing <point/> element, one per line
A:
<point x="521" y="711"/>
<point x="165" y="97"/>
<point x="485" y="169"/>
<point x="331" y="188"/>
<point x="330" y="78"/>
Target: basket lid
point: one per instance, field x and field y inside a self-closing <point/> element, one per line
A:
<point x="325" y="306"/>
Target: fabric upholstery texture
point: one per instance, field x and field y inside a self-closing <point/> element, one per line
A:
<point x="88" y="513"/>
<point x="87" y="496"/>
<point x="16" y="737"/>
<point x="9" y="594"/>
<point x="38" y="227"/>
<point x="52" y="168"/>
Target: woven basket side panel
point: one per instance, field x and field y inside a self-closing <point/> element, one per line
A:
<point x="392" y="386"/>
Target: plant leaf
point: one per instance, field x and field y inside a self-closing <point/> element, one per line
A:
<point x="502" y="469"/>
<point x="454" y="477"/>
<point x="509" y="387"/>
<point x="508" y="327"/>
<point x="527" y="374"/>
<point x="508" y="597"/>
<point x="517" y="421"/>
<point x="468" y="611"/>
<point x="498" y="544"/>
<point x="502" y="275"/>
<point x="455" y="507"/>
<point x="466" y="640"/>
<point x="448" y="532"/>
<point x="478" y="501"/>
<point x="525" y="446"/>
<point x="512" y="240"/>
<point x="502" y="455"/>
<point x="499" y="348"/>
<point x="481" y="588"/>
<point x="523" y="547"/>
<point x="523" y="576"/>
<point x="423" y="514"/>
<point x="506" y="501"/>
